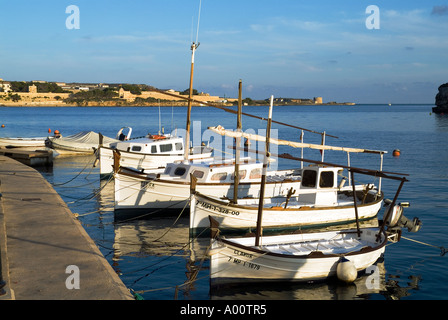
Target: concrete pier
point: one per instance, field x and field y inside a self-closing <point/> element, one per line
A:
<point x="45" y="251"/>
<point x="30" y="157"/>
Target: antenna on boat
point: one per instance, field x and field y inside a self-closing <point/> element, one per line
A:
<point x="199" y="19"/>
<point x="194" y="46"/>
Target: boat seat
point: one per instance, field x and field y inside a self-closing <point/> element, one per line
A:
<point x="323" y="246"/>
<point x="300" y="249"/>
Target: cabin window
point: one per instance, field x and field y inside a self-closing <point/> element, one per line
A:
<point x="309" y="178"/>
<point x="166" y="147"/>
<point x="198" y="174"/>
<point x="255" y="174"/>
<point x="136" y="148"/>
<point x="326" y="179"/>
<point x="241" y="173"/>
<point x="179" y="146"/>
<point x="153" y="149"/>
<point x="180" y="171"/>
<point x="220" y="176"/>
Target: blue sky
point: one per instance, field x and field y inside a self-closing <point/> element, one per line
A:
<point x="288" y="48"/>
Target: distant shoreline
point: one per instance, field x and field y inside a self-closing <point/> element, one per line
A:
<point x="161" y="104"/>
<point x="174" y="104"/>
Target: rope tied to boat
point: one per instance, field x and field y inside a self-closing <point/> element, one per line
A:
<point x="77" y="175"/>
<point x="442" y="249"/>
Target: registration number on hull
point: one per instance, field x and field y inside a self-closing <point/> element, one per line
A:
<point x="218" y="209"/>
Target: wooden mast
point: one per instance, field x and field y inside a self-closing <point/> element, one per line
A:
<point x="237" y="143"/>
<point x="194" y="46"/>
<point x="263" y="177"/>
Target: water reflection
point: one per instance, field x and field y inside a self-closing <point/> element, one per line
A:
<point x="441" y="122"/>
<point x="165" y="238"/>
<point x="366" y="287"/>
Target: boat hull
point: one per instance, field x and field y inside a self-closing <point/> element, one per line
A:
<point x="139" y="192"/>
<point x="22" y="142"/>
<point x="236" y="218"/>
<point x="237" y="262"/>
<point x="86" y="142"/>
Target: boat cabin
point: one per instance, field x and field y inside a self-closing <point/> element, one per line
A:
<point x="218" y="172"/>
<point x="322" y="182"/>
<point x="153" y="144"/>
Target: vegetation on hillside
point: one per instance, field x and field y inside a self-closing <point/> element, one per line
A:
<point x="82" y="97"/>
<point x="47" y="87"/>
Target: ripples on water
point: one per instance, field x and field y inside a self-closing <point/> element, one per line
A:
<point x="153" y="257"/>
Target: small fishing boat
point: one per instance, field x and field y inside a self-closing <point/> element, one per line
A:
<point x="295" y="257"/>
<point x="6" y="142"/>
<point x="85" y="142"/>
<point x="149" y="191"/>
<point x="320" y="200"/>
<point x="149" y="152"/>
<point x="305" y="256"/>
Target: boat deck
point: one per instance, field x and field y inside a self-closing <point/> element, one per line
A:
<point x="331" y="246"/>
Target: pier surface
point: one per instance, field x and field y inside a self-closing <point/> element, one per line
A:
<point x="45" y="252"/>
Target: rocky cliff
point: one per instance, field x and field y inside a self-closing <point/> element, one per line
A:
<point x="442" y="100"/>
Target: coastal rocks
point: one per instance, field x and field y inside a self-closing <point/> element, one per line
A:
<point x="442" y="100"/>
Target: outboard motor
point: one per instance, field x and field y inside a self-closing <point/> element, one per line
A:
<point x="397" y="220"/>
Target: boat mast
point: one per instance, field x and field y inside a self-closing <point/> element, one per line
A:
<point x="194" y="46"/>
<point x="263" y="176"/>
<point x="237" y="143"/>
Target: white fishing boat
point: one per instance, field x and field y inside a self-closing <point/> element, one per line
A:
<point x="18" y="142"/>
<point x="295" y="257"/>
<point x="85" y="142"/>
<point x="135" y="189"/>
<point x="304" y="256"/>
<point x="320" y="200"/>
<point x="149" y="152"/>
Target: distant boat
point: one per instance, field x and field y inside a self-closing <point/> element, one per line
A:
<point x="22" y="142"/>
<point x="85" y="142"/>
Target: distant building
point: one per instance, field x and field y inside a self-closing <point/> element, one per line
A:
<point x="123" y="94"/>
<point x="5" y="86"/>
<point x="32" y="88"/>
<point x="318" y="100"/>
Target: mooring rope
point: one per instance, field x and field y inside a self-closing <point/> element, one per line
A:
<point x="166" y="258"/>
<point x="442" y="249"/>
<point x="77" y="175"/>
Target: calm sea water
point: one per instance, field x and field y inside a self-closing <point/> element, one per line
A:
<point x="155" y="257"/>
